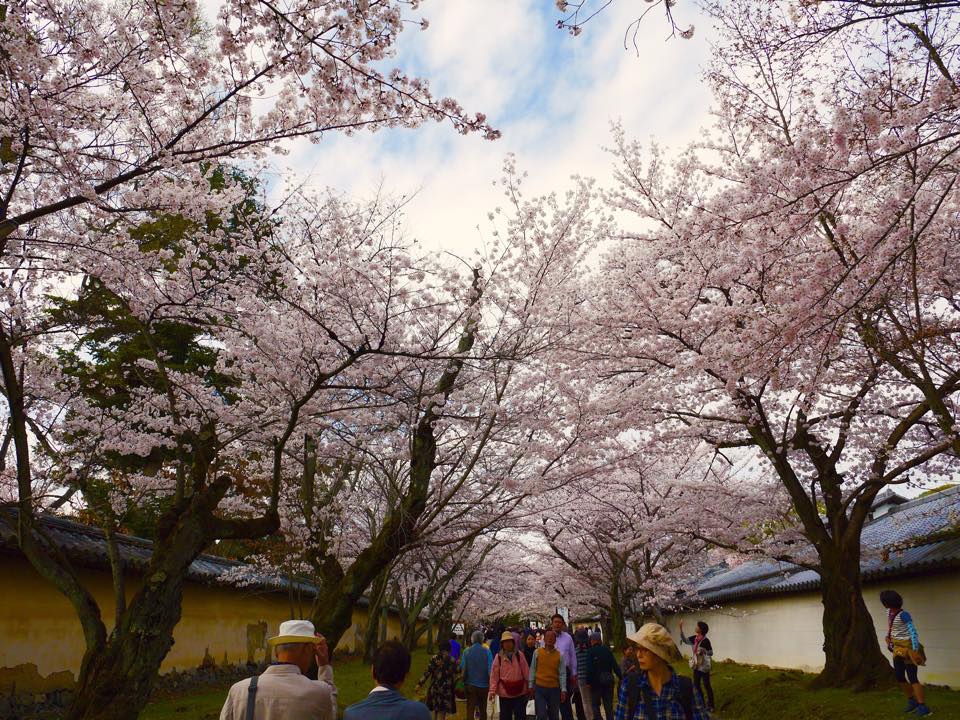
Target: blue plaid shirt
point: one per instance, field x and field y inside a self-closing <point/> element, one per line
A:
<point x="666" y="706"/>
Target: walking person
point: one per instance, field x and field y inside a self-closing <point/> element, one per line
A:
<point x="700" y="661"/>
<point x="564" y="643"/>
<point x="904" y="642"/>
<point x="597" y="673"/>
<point x="455" y="648"/>
<point x="509" y="679"/>
<point x="475" y="665"/>
<point x="391" y="665"/>
<point x="581" y="696"/>
<point x="548" y="678"/>
<point x="441" y="673"/>
<point x="629" y="661"/>
<point x="530" y="647"/>
<point x="283" y="690"/>
<point x="493" y="636"/>
<point x="657" y="692"/>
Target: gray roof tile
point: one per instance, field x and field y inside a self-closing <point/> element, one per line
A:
<point x="903" y="542"/>
<point x="86" y="545"/>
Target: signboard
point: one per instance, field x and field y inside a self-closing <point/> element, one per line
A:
<point x="565" y="612"/>
<point x="458" y="628"/>
<point x="631" y="627"/>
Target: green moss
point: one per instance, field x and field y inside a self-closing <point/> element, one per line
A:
<point x="743" y="692"/>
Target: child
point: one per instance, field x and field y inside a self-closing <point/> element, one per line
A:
<point x="907" y="651"/>
<point x="700" y="662"/>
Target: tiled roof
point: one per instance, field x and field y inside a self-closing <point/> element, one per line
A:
<point x="910" y="539"/>
<point x="85" y="545"/>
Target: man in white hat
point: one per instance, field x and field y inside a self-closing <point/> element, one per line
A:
<point x="284" y="691"/>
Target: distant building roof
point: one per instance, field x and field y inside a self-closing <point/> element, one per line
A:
<point x="889" y="497"/>
<point x="917" y="536"/>
<point x="86" y="545"/>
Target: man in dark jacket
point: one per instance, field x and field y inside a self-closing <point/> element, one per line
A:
<point x="391" y="663"/>
<point x="601" y="667"/>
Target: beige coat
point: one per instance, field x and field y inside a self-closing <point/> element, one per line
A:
<point x="283" y="693"/>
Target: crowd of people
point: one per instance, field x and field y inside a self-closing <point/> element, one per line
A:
<point x="560" y="672"/>
<point x="565" y="673"/>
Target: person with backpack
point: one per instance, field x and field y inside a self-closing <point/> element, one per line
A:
<point x="509" y="677"/>
<point x="700" y="660"/>
<point x="904" y="642"/>
<point x="657" y="692"/>
<point x="598" y="670"/>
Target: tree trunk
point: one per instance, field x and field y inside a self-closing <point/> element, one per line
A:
<point x="618" y="625"/>
<point x="444" y="628"/>
<point x="853" y="655"/>
<point x="371" y="636"/>
<point x="118" y="677"/>
<point x="430" y="636"/>
<point x="409" y="635"/>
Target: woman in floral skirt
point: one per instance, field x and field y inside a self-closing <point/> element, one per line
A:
<point x="442" y="676"/>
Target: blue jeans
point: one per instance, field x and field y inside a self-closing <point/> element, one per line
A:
<point x="547" y="702"/>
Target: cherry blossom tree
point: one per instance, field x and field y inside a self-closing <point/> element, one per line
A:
<point x="520" y="578"/>
<point x="292" y="324"/>
<point x="635" y="538"/>
<point x="457" y="447"/>
<point x="116" y="118"/>
<point x="425" y="585"/>
<point x="106" y="103"/>
<point x="790" y="289"/>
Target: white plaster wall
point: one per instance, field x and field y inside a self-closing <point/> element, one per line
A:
<point x="787" y="631"/>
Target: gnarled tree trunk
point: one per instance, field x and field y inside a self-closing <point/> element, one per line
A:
<point x="119" y="673"/>
<point x="852" y="654"/>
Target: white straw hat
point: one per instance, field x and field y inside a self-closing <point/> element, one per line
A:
<point x="657" y="640"/>
<point x="295" y="631"/>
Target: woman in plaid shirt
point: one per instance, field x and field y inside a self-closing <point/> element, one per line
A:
<point x="656" y="692"/>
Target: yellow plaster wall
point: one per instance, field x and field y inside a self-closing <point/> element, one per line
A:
<point x="39" y="627"/>
<point x="787" y="631"/>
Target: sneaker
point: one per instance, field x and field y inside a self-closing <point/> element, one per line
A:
<point x="923" y="710"/>
<point x="911" y="705"/>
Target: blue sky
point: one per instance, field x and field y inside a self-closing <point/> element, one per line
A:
<point x="552" y="96"/>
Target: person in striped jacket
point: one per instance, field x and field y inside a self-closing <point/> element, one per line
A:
<point x="904" y="642"/>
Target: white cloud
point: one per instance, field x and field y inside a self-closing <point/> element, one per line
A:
<point x="553" y="97"/>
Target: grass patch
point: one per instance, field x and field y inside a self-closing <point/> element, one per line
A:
<point x="744" y="692"/>
<point x="748" y="692"/>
